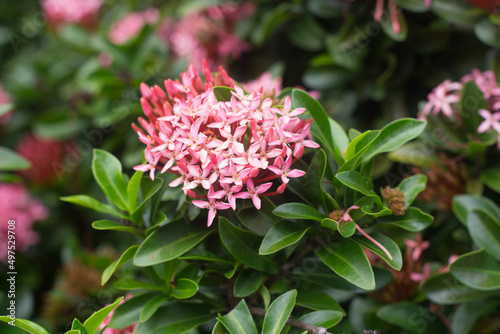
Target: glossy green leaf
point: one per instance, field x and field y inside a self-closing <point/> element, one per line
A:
<point x="414" y="220"/>
<point x="340" y="141"/>
<point x="239" y="320"/>
<point x="346" y="229"/>
<point x="415" y="153"/>
<point x="347" y="259"/>
<point x="298" y="211"/>
<point x="152" y="306"/>
<point x="279" y="312"/>
<point x="491" y="178"/>
<point x="488" y="32"/>
<point x="148" y="189"/>
<point x="472" y="100"/>
<point x="73" y="331"/>
<point x="219" y="328"/>
<point x="170" y="241"/>
<point x="317" y="300"/>
<point x="281" y="235"/>
<point x="478" y="270"/>
<point x="412" y="186"/>
<point x="114" y="226"/>
<point x="223" y="94"/>
<point x="485" y="231"/>
<point x="322" y="318"/>
<point x="130" y="310"/>
<point x="467" y="314"/>
<point x="357" y="148"/>
<point x="445" y="289"/>
<point x="408" y="316"/>
<point x="133" y="190"/>
<point x="247" y="283"/>
<point x="12" y="161"/>
<point x="273" y="19"/>
<point x="95" y="320"/>
<point x="107" y="171"/>
<point x="126" y="256"/>
<point x="91" y="203"/>
<point x="243" y="246"/>
<point x="464" y="204"/>
<point x="203" y="255"/>
<point x="184" y="288"/>
<point x="77" y="325"/>
<point x="176" y="318"/>
<point x="306" y="33"/>
<point x="266" y="296"/>
<point x="314" y="180"/>
<point x="393" y="136"/>
<point x="26" y="325"/>
<point x="132" y="284"/>
<point x="321" y="128"/>
<point x="397" y="259"/>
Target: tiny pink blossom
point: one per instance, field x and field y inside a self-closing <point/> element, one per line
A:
<point x="442" y="98"/>
<point x="491" y="121"/>
<point x="417" y="246"/>
<point x="71" y="11"/>
<point x="131" y="25"/>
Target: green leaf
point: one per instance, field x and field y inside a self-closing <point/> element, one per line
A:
<point x="239" y="320"/>
<point x="356" y="149"/>
<point x="107" y="171"/>
<point x="133" y="190"/>
<point x="298" y="211"/>
<point x="388" y="243"/>
<point x="73" y="331"/>
<point x="314" y="180"/>
<point x="130" y="310"/>
<point x="281" y="235"/>
<point x="26" y="325"/>
<point x="340" y="141"/>
<point x="91" y="203"/>
<point x="472" y="100"/>
<point x="95" y="320"/>
<point x="393" y="136"/>
<point x="77" y="325"/>
<point x="414" y="220"/>
<point x="203" y="255"/>
<point x="321" y="128"/>
<point x="127" y="255"/>
<point x="184" y="288"/>
<point x="414" y="153"/>
<point x="114" y="226"/>
<point x="132" y="284"/>
<point x="219" y="328"/>
<point x="408" y="315"/>
<point x="12" y="161"/>
<point x="169" y="242"/>
<point x="491" y="178"/>
<point x="322" y="318"/>
<point x="386" y="24"/>
<point x="247" y="283"/>
<point x="148" y="189"/>
<point x="242" y="245"/>
<point x="445" y="289"/>
<point x="317" y="300"/>
<point x="266" y="296"/>
<point x="485" y="231"/>
<point x="152" y="306"/>
<point x="5" y="108"/>
<point x="222" y="93"/>
<point x="412" y="186"/>
<point x="488" y="33"/>
<point x="306" y="33"/>
<point x="478" y="270"/>
<point x="279" y="312"/>
<point x="176" y="318"/>
<point x="346" y="229"/>
<point x="467" y="314"/>
<point x="358" y="182"/>
<point x="347" y="259"/>
<point x="273" y="19"/>
<point x="464" y="204"/>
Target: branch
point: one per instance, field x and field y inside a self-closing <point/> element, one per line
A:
<point x="294" y="323"/>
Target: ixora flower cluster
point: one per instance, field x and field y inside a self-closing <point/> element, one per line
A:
<point x="71" y="11"/>
<point x="131" y="25"/>
<point x="230" y="149"/>
<point x="446" y="96"/>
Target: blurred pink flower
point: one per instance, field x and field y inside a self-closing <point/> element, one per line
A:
<point x="486" y="81"/>
<point x="71" y="11"/>
<point x="108" y="330"/>
<point x="417" y="246"/>
<point x="131" y="25"/>
<point x="265" y="84"/>
<point x="4" y="99"/>
<point x="232" y="149"/>
<point x="442" y="98"/>
<point x="46" y="157"/>
<point x="18" y="205"/>
<point x="208" y="34"/>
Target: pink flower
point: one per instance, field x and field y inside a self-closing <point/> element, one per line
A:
<point x="417" y="246"/>
<point x="71" y="11"/>
<point x="18" y="205"/>
<point x="227" y="150"/>
<point x="131" y="25"/>
<point x="423" y="276"/>
<point x="109" y="330"/>
<point x="48" y="159"/>
<point x="486" y="81"/>
<point x="442" y="98"/>
<point x="208" y="34"/>
<point x="265" y="84"/>
<point x="491" y="121"/>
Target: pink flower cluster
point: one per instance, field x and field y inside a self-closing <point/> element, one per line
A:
<point x="109" y="330"/>
<point x="444" y="99"/>
<point x="131" y="25"/>
<point x="71" y="11"/>
<point x="271" y="87"/>
<point x="208" y="34"/>
<point x="230" y="149"/>
<point x="18" y="205"/>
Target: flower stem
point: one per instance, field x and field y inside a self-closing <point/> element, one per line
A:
<point x="379" y="245"/>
